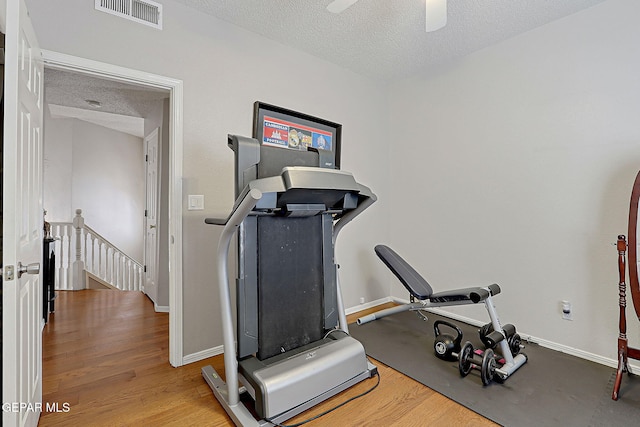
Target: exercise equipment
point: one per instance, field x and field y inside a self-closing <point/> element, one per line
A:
<point x="421" y="290"/>
<point x="485" y="361"/>
<point x="446" y="346"/>
<point x="293" y="347"/>
<point x="490" y="338"/>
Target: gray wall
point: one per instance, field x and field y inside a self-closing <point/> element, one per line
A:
<point x="100" y="171"/>
<point x="527" y="155"/>
<point x="226" y="69"/>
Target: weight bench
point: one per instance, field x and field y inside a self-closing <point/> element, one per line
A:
<point x="421" y="290"/>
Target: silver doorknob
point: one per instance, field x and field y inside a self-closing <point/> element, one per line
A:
<point x="152" y="226"/>
<point x="33" y="268"/>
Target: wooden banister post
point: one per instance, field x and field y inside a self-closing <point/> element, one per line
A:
<point x="78" y="274"/>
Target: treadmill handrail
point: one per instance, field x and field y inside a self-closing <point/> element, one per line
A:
<point x="347" y="217"/>
<point x="240" y="212"/>
<point x="236" y="206"/>
<point x="216" y="221"/>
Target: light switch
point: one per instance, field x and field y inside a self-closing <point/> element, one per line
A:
<point x="195" y="202"/>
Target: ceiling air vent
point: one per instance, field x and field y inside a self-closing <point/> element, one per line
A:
<point x="143" y="11"/>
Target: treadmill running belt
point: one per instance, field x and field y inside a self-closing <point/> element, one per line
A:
<point x="290" y="288"/>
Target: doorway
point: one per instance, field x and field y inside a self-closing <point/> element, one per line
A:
<point x="96" y="132"/>
<point x="1" y="162"/>
<point x="173" y="191"/>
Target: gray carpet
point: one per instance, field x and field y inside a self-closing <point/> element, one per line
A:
<point x="551" y="389"/>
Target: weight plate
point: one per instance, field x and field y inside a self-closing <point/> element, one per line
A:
<point x="514" y="344"/>
<point x="488" y="367"/>
<point x="464" y="359"/>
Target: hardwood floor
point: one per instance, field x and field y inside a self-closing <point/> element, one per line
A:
<point x="106" y="363"/>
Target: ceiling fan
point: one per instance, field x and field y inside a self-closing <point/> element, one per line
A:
<point x="436" y="11"/>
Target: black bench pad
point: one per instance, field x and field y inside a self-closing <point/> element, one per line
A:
<point x="420" y="288"/>
<point x="411" y="279"/>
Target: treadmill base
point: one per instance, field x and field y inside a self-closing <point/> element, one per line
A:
<point x="241" y="415"/>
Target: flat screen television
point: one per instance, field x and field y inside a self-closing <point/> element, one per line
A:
<point x="279" y="127"/>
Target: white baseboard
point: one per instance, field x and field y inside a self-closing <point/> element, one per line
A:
<point x="204" y="354"/>
<point x="367" y="305"/>
<point x="160" y="308"/>
<point x="210" y="352"/>
<point x="613" y="363"/>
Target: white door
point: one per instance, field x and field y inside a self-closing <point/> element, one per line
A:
<point x="151" y="219"/>
<point x="22" y="222"/>
<point x="3" y="21"/>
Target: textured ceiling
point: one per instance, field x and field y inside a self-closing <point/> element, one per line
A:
<point x="381" y="39"/>
<point x="386" y="39"/>
<point x="74" y="89"/>
<point x="66" y="93"/>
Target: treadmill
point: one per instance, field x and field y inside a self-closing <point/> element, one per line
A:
<point x="290" y="348"/>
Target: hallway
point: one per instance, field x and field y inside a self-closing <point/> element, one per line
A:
<point x="106" y="356"/>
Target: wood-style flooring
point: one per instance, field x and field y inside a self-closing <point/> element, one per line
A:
<point x="106" y="363"/>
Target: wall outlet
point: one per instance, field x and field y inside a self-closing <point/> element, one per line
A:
<point x="361" y="300"/>
<point x="567" y="313"/>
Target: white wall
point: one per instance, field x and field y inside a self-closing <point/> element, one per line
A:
<point x="57" y="176"/>
<point x="226" y="69"/>
<point x="516" y="164"/>
<point x="100" y="171"/>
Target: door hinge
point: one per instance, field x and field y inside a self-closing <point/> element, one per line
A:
<point x="145" y="268"/>
<point x="9" y="272"/>
<point x="146" y="157"/>
<point x="146" y="213"/>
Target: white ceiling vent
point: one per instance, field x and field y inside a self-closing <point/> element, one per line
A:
<point x="143" y="11"/>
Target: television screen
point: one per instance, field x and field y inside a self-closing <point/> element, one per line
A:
<point x="278" y="127"/>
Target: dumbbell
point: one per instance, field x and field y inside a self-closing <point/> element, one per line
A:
<point x="486" y="363"/>
<point x="491" y="338"/>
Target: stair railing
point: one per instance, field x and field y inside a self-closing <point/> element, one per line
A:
<point x="80" y="249"/>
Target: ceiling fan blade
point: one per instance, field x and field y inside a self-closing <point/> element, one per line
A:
<point x="436" y="14"/>
<point x="338" y="6"/>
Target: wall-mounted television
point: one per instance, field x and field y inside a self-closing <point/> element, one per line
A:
<point x="279" y="127"/>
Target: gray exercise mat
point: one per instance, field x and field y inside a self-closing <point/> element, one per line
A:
<point x="551" y="389"/>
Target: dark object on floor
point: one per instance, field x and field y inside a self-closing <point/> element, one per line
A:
<point x="552" y="389"/>
<point x="502" y="340"/>
<point x="446" y="346"/>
